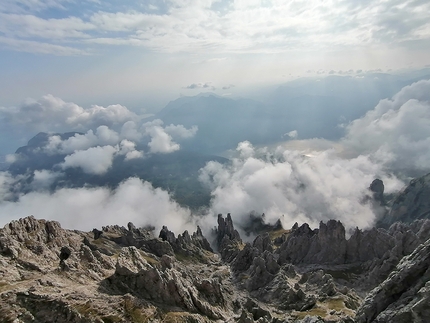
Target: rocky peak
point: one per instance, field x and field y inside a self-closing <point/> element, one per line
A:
<point x="405" y="295"/>
<point x="167" y="235"/>
<point x="377" y="188"/>
<point x="226" y="229"/>
<point x="49" y="274"/>
<point x="331" y="231"/>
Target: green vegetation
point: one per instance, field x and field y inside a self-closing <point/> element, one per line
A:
<point x="201" y="257"/>
<point x="278" y="233"/>
<point x="176" y="317"/>
<point x="150" y="259"/>
<point x="316" y="311"/>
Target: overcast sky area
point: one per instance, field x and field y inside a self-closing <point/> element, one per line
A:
<point x="102" y="68"/>
<point x="144" y="53"/>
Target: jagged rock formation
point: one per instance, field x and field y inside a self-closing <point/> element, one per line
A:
<point x="377" y="188"/>
<point x="405" y="295"/>
<point x="118" y="274"/>
<point x="411" y="204"/>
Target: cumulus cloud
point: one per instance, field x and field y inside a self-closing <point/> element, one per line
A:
<point x="314" y="180"/>
<point x="94" y="160"/>
<point x="397" y="131"/>
<point x="287" y="185"/>
<point x="43" y="179"/>
<point x="161" y="142"/>
<point x="179" y="131"/>
<point x="292" y="134"/>
<point x="134" y="200"/>
<point x="102" y="137"/>
<point x="130" y="131"/>
<point x="161" y="138"/>
<point x="50" y="113"/>
<point x="128" y="148"/>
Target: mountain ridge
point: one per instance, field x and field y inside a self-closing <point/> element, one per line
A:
<point x="120" y="274"/>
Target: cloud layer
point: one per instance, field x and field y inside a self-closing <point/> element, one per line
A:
<point x="109" y="132"/>
<point x="196" y="26"/>
<point x="305" y="184"/>
<point x="287" y="185"/>
<point x="397" y="132"/>
<point x="85" y="209"/>
<point x="50" y="113"/>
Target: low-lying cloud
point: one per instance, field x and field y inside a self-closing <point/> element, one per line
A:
<point x="396" y="132"/>
<point x="287" y="185"/>
<point x="311" y="181"/>
<point x="84" y="208"/>
<point x="94" y="160"/>
<point x="50" y="113"/>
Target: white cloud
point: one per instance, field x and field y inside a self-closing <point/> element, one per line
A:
<point x="300" y="188"/>
<point x="292" y="134"/>
<point x="103" y="137"/>
<point x="179" y="131"/>
<point x="51" y="113"/>
<point x="241" y="26"/>
<point x="11" y="158"/>
<point x="162" y="138"/>
<point x="397" y="132"/>
<point x="161" y="142"/>
<point x="43" y="179"/>
<point x="94" y="160"/>
<point x="9" y="185"/>
<point x="128" y="148"/>
<point x="134" y="200"/>
<point x="130" y="131"/>
<point x="31" y="46"/>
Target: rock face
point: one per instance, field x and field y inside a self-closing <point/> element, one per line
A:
<point x="377" y="188"/>
<point x="405" y="295"/>
<point x="411" y="204"/>
<point x="297" y="275"/>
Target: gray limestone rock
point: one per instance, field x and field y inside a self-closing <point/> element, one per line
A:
<point x="398" y="298"/>
<point x="413" y="203"/>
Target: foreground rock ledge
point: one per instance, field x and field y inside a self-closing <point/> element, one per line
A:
<point x="118" y="274"/>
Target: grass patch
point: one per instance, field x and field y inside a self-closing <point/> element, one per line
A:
<point x="86" y="309"/>
<point x="278" y="233"/>
<point x="152" y="261"/>
<point x="201" y="257"/>
<point x="346" y="274"/>
<point x="322" y="309"/>
<point x="240" y="245"/>
<point x="316" y="311"/>
<point x="175" y="317"/>
<point x="134" y="313"/>
<point x="336" y="304"/>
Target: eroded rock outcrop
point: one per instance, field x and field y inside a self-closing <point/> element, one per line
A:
<point x="413" y="203"/>
<point x="324" y="245"/>
<point x="128" y="274"/>
<point x="404" y="296"/>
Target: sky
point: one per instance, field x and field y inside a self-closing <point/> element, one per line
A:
<point x="101" y="67"/>
<point x="143" y="54"/>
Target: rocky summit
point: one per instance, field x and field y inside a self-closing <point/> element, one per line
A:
<point x="118" y="274"/>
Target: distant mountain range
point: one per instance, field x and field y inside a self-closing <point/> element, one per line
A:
<point x="315" y="108"/>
